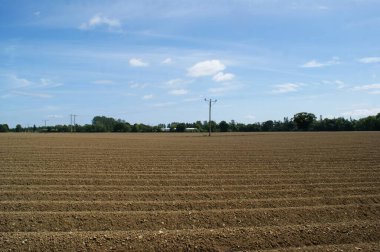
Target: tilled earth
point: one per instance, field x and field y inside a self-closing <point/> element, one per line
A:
<point x="180" y="192"/>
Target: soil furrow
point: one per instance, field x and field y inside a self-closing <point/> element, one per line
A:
<point x="109" y="206"/>
<point x="214" y="239"/>
<point x="95" y="221"/>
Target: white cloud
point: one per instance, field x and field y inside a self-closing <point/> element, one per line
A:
<point x="24" y="87"/>
<point x="223" y="77"/>
<point x="178" y="91"/>
<point x="369" y="60"/>
<point x="138" y="85"/>
<point x="177" y="83"/>
<point x="192" y="99"/>
<point x="205" y="68"/>
<point x="312" y="64"/>
<point x="55" y="116"/>
<point x="286" y="88"/>
<point x="316" y="64"/>
<point x="19" y="82"/>
<point x="134" y="62"/>
<point x="250" y="117"/>
<point x="362" y="112"/>
<point x="99" y="20"/>
<point x="164" y="104"/>
<point x="147" y="97"/>
<point x="338" y="83"/>
<point x="103" y="82"/>
<point x="223" y="89"/>
<point x="371" y="88"/>
<point x="167" y="61"/>
<point x="32" y="94"/>
<point x="47" y="83"/>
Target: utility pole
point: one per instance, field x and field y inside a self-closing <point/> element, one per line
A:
<point x="74" y="121"/>
<point x="72" y="116"/>
<point x="210" y="102"/>
<point x="45" y="122"/>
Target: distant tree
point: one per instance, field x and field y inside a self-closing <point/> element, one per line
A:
<point x="181" y="127"/>
<point x="4" y="128"/>
<point x="198" y="125"/>
<point x="267" y="126"/>
<point x="120" y="127"/>
<point x="34" y="128"/>
<point x="214" y="126"/>
<point x="145" y="128"/>
<point x="172" y="126"/>
<point x="136" y="128"/>
<point x="368" y="123"/>
<point x="18" y="128"/>
<point x="232" y="126"/>
<point x="223" y="126"/>
<point x="103" y="124"/>
<point x="303" y="120"/>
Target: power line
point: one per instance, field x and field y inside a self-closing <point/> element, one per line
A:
<point x="74" y="121"/>
<point x="72" y="118"/>
<point x="210" y="102"/>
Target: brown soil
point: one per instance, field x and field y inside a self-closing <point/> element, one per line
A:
<point x="181" y="192"/>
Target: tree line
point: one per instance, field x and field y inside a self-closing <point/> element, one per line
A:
<point x="299" y="122"/>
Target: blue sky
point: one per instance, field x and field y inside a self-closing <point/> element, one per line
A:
<point x="156" y="61"/>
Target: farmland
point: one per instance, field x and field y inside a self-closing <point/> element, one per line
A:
<point x="172" y="192"/>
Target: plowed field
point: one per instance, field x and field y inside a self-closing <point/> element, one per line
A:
<point x="175" y="192"/>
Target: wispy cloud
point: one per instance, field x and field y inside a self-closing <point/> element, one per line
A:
<point x="135" y="62"/>
<point x="371" y="88"/>
<point x="164" y="104"/>
<point x="147" y="97"/>
<point x="55" y="116"/>
<point x="223" y="77"/>
<point x="317" y="64"/>
<point x="362" y="112"/>
<point x="18" y="82"/>
<point x="178" y="91"/>
<point x="103" y="82"/>
<point x="338" y="83"/>
<point x="99" y="20"/>
<point x="31" y="94"/>
<point x="20" y="86"/>
<point x="177" y="83"/>
<point x="138" y="85"/>
<point x="205" y="68"/>
<point x="369" y="60"/>
<point x="47" y="83"/>
<point x="167" y="61"/>
<point x="286" y="88"/>
<point x="250" y="117"/>
<point x="227" y="87"/>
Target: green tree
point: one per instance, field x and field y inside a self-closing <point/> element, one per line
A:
<point x="18" y="128"/>
<point x="224" y="126"/>
<point x="181" y="127"/>
<point x="233" y="127"/>
<point x="136" y="128"/>
<point x="303" y="120"/>
<point x="267" y="126"/>
<point x="4" y="128"/>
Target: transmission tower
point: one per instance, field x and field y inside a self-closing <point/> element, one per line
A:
<point x="210" y="102"/>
